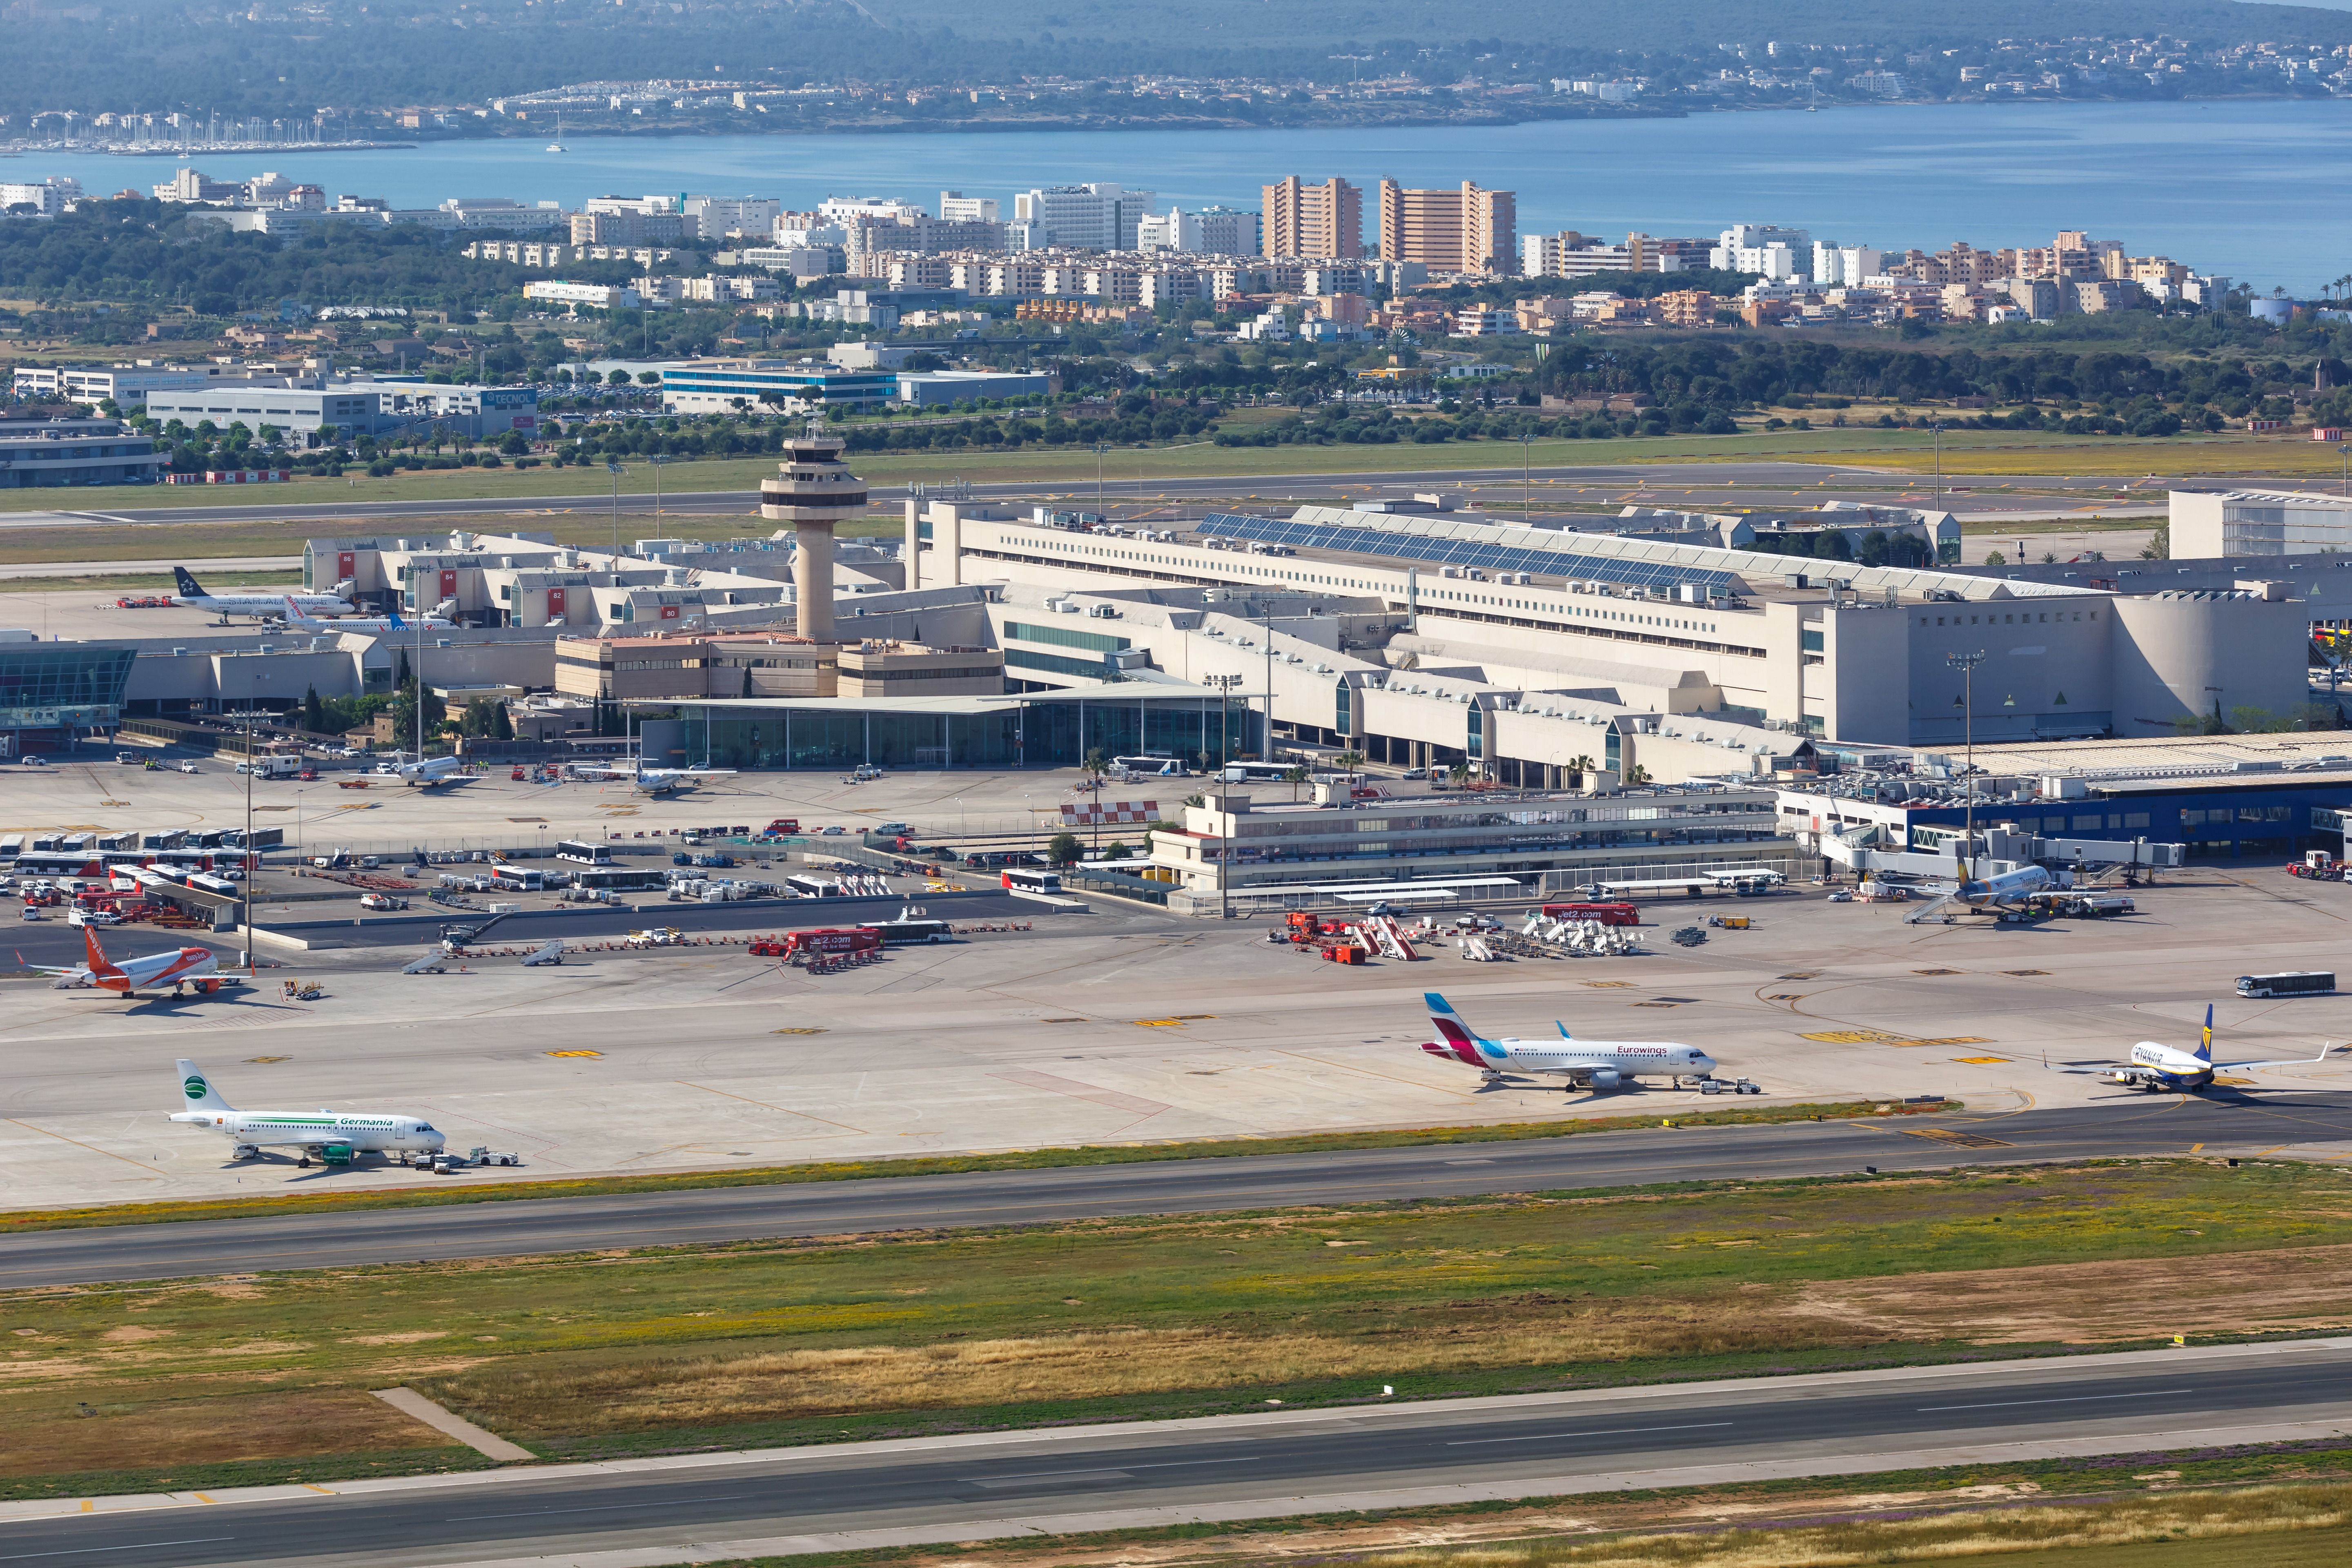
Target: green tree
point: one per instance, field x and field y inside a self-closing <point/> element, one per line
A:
<point x="1996" y="558"/>
<point x="1579" y="765"/>
<point x="2159" y="544"/>
<point x="314" y="712"/>
<point x="404" y="715"/>
<point x="1294" y="777"/>
<point x="1063" y="848"/>
<point x="1637" y="774"/>
<point x="1117" y="850"/>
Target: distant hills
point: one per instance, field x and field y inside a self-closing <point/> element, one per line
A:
<point x="94" y="55"/>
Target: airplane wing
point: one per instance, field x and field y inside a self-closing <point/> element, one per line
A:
<point x="52" y="968"/>
<point x="2296" y="1061"/>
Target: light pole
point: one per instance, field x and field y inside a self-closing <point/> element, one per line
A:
<point x="1100" y="448"/>
<point x="1966" y="663"/>
<point x="1939" y="462"/>
<point x="1224" y="685"/>
<point x="657" y="459"/>
<point x="616" y="471"/>
<point x="1526" y="484"/>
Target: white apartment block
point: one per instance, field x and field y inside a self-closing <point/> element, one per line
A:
<point x="1101" y="216"/>
<point x="716" y="217"/>
<point x="957" y="207"/>
<point x="46" y="198"/>
<point x="1206" y="231"/>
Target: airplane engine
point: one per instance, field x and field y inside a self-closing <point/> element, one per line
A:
<point x="1607" y="1078"/>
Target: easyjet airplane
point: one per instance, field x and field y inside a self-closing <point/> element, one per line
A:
<point x="179" y="969"/>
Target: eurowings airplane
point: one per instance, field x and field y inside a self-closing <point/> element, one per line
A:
<point x="323" y="1134"/>
<point x="1987" y="895"/>
<point x="2169" y="1069"/>
<point x="1586" y="1064"/>
<point x="294" y="620"/>
<point x="261" y="607"/>
<point x="179" y="969"/>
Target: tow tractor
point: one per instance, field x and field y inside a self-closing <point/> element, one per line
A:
<point x="2319" y="866"/>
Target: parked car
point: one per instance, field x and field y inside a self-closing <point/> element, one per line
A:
<point x="1415" y="774"/>
<point x="184" y="765"/>
<point x="835" y="831"/>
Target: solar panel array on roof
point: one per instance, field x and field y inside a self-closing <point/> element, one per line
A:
<point x="1440" y="551"/>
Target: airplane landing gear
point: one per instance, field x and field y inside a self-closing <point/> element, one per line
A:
<point x="303" y="1163"/>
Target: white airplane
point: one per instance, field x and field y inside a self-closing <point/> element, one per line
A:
<point x="294" y="620"/>
<point x="649" y="781"/>
<point x="2169" y="1069"/>
<point x="261" y="607"/>
<point x="179" y="969"/>
<point x="331" y="1136"/>
<point x="1586" y="1064"/>
<point x="552" y="953"/>
<point x="428" y="772"/>
<point x="2001" y="895"/>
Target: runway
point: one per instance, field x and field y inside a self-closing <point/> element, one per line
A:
<point x="1272" y="1464"/>
<point x="1709" y="485"/>
<point x="2222" y="1124"/>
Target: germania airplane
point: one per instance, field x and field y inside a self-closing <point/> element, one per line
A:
<point x="261" y="607"/>
<point x="331" y="1136"/>
<point x="2169" y="1069"/>
<point x="179" y="969"/>
<point x="1586" y="1064"/>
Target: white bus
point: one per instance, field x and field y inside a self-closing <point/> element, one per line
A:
<point x="518" y="879"/>
<point x="580" y="852"/>
<point x="2292" y="983"/>
<point x="1023" y="880"/>
<point x="1258" y="772"/>
<point x="1150" y="768"/>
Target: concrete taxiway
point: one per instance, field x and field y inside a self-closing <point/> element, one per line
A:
<point x="1124" y="1026"/>
<point x="635" y="1513"/>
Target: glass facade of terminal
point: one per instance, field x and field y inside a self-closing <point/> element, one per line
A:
<point x="1039" y="731"/>
<point x="60" y="686"/>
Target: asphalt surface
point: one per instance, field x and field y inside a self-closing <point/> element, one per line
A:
<point x="1272" y="1460"/>
<point x="2134" y="1123"/>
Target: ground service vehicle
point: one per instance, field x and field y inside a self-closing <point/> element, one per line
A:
<point x="580" y="852"/>
<point x="271" y="767"/>
<point x="1150" y="767"/>
<point x="784" y="826"/>
<point x="2290" y="983"/>
<point x="2318" y="865"/>
<point x="382" y="901"/>
<point x="826" y="941"/>
<point x="1607" y="914"/>
<point x="518" y="879"/>
<point x="1022" y="880"/>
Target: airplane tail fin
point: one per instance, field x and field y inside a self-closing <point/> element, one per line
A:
<point x="393" y="616"/>
<point x="100" y="964"/>
<point x="2205" y="1040"/>
<point x="293" y="610"/>
<point x="196" y="1093"/>
<point x="189" y="587"/>
<point x="1563" y="1030"/>
<point x="1449" y="1024"/>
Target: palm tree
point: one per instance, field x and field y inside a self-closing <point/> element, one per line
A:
<point x="1580" y="765"/>
<point x="1637" y="774"/>
<point x="1294" y="777"/>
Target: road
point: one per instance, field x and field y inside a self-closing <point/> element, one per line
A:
<point x="2166" y="1125"/>
<point x="1260" y="1464"/>
<point x="1715" y="485"/>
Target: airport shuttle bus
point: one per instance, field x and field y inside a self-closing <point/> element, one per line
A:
<point x="1258" y="772"/>
<point x="1151" y="767"/>
<point x="580" y="852"/>
<point x="1022" y="880"/>
<point x="518" y="879"/>
<point x="902" y="932"/>
<point x="35" y="864"/>
<point x="2292" y="983"/>
<point x="622" y="878"/>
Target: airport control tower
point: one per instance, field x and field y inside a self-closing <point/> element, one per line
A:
<point x="813" y="491"/>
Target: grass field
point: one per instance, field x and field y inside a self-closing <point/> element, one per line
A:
<point x="137" y="582"/>
<point x="1938" y="1517"/>
<point x="678" y="1348"/>
<point x="1987" y="452"/>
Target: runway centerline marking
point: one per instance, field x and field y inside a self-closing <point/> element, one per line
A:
<point x="1605" y="1431"/>
<point x="2077" y="1399"/>
<point x="1110" y="1469"/>
<point x="134" y="1546"/>
<point x="607" y="1507"/>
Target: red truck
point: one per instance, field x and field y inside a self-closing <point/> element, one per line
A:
<point x="1607" y="914"/>
<point x="794" y="942"/>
